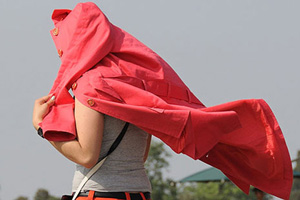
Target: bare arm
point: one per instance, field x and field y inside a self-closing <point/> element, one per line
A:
<point x="85" y="150"/>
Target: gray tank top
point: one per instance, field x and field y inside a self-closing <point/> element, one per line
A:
<point x="123" y="170"/>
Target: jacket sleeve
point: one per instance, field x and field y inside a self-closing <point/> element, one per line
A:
<point x="75" y="34"/>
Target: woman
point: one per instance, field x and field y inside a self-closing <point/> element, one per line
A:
<point x="111" y="72"/>
<point x="122" y="176"/>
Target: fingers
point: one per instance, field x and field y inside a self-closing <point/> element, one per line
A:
<point x="41" y="108"/>
<point x="45" y="99"/>
<point x="51" y="101"/>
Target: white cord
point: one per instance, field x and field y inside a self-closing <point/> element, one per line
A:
<point x="88" y="176"/>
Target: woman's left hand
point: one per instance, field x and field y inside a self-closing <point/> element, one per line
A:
<point x="41" y="109"/>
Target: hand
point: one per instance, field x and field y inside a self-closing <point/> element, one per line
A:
<point x="41" y="109"/>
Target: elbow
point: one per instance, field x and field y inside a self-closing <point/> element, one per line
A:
<point x="88" y="161"/>
<point x="88" y="165"/>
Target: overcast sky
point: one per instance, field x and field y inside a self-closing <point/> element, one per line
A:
<point x="223" y="50"/>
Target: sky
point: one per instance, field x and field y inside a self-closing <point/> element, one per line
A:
<point x="224" y="50"/>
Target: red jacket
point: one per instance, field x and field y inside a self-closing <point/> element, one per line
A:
<point x="112" y="72"/>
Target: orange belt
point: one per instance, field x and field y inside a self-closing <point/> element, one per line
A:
<point x="92" y="195"/>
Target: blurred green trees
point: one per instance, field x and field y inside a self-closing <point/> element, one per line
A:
<point x="167" y="189"/>
<point x="21" y="198"/>
<point x="157" y="162"/>
<point x="41" y="194"/>
<point x="295" y="194"/>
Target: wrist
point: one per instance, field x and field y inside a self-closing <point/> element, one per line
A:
<point x="36" y="124"/>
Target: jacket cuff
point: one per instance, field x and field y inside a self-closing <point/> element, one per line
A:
<point x="59" y="124"/>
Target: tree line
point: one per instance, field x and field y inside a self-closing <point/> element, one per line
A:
<point x="41" y="194"/>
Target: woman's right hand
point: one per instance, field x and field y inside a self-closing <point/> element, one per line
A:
<point x="41" y="109"/>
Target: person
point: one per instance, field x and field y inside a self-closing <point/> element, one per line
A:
<point x="111" y="72"/>
<point x="123" y="171"/>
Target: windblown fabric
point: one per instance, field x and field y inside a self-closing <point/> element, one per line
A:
<point x="112" y="72"/>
